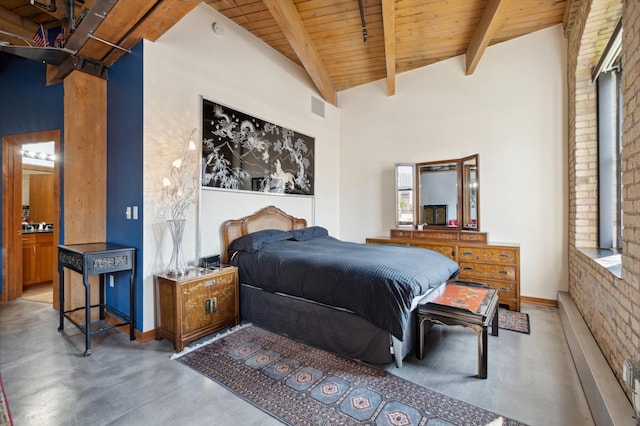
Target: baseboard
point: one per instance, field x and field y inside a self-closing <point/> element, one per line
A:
<point x="139" y="335"/>
<point x="539" y="301"/>
<point x="606" y="398"/>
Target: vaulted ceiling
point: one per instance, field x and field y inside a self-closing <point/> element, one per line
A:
<point x="340" y="43"/>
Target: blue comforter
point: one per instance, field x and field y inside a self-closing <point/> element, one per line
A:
<point x="376" y="282"/>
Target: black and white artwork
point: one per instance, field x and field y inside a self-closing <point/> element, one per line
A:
<point x="242" y="152"/>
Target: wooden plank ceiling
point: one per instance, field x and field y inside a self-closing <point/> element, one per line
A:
<point x="326" y="37"/>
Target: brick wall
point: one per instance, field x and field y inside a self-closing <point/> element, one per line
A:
<point x="609" y="305"/>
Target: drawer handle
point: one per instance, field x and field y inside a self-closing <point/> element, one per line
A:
<point x="209" y="283"/>
<point x="467" y="253"/>
<point x="503" y="289"/>
<point x="504" y="256"/>
<point x="503" y="272"/>
<point x="468" y="268"/>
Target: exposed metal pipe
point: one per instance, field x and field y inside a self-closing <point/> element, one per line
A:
<point x="51" y="7"/>
<point x="71" y="15"/>
<point x="12" y="35"/>
<point x="91" y="36"/>
<point x="365" y="37"/>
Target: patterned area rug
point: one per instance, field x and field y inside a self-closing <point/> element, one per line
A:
<point x="5" y="414"/>
<point x="513" y="321"/>
<point x="302" y="385"/>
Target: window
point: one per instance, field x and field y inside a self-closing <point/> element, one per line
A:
<point x="609" y="86"/>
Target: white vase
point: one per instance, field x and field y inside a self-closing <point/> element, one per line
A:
<point x="177" y="265"/>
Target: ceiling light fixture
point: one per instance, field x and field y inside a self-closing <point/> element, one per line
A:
<point x="39" y="155"/>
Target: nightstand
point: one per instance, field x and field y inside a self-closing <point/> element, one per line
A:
<point x="195" y="304"/>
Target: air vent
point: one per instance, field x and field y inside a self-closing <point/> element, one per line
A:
<point x="317" y="106"/>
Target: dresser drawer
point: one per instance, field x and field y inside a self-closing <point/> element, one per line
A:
<point x="487" y="254"/>
<point x="449" y="251"/>
<point x="498" y="272"/>
<point x="209" y="284"/>
<point x="506" y="289"/>
<point x="436" y="235"/>
<point x="473" y="236"/>
<point x="397" y="233"/>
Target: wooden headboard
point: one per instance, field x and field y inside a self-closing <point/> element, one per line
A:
<point x="269" y="217"/>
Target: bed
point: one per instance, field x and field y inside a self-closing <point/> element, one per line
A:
<point x="356" y="300"/>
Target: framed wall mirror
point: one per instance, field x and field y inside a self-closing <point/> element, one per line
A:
<point x="439" y="194"/>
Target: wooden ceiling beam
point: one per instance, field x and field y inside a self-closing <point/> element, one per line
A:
<point x="389" y="27"/>
<point x="121" y="18"/>
<point x="285" y="14"/>
<point x="164" y="15"/>
<point x="14" y="23"/>
<point x="489" y="23"/>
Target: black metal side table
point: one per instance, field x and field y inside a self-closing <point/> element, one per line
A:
<point x="93" y="259"/>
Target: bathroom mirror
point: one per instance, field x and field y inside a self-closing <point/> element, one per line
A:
<point x="439" y="194"/>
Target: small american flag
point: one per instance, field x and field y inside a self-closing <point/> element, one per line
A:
<point x="40" y="37"/>
<point x="59" y="42"/>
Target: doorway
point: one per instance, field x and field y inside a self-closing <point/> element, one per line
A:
<point x="13" y="215"/>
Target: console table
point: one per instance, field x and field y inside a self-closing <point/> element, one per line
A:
<point x="97" y="259"/>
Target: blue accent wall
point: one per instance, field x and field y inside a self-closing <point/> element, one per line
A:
<point x="27" y="104"/>
<point x="125" y="171"/>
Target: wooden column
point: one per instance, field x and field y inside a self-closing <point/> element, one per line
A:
<point x="85" y="172"/>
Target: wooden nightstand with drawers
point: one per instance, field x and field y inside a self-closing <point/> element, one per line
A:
<point x="198" y="303"/>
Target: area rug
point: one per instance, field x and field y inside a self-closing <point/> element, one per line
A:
<point x="513" y="321"/>
<point x="302" y="385"/>
<point x="5" y="414"/>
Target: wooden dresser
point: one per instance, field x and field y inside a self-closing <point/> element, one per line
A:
<point x="496" y="265"/>
<point x="196" y="304"/>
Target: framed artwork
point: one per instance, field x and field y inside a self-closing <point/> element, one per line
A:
<point x="242" y="152"/>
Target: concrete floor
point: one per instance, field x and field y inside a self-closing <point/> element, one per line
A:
<point x="49" y="382"/>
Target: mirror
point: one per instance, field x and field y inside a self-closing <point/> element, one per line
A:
<point x="404" y="195"/>
<point x="439" y="194"/>
<point x="439" y="184"/>
<point x="470" y="197"/>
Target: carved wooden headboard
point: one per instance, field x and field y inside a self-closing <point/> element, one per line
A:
<point x="269" y="217"/>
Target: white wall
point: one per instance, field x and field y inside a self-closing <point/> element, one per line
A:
<point x="238" y="70"/>
<point x="511" y="111"/>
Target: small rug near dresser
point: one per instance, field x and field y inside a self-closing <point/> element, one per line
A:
<point x="5" y="414"/>
<point x="302" y="385"/>
<point x="513" y="321"/>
